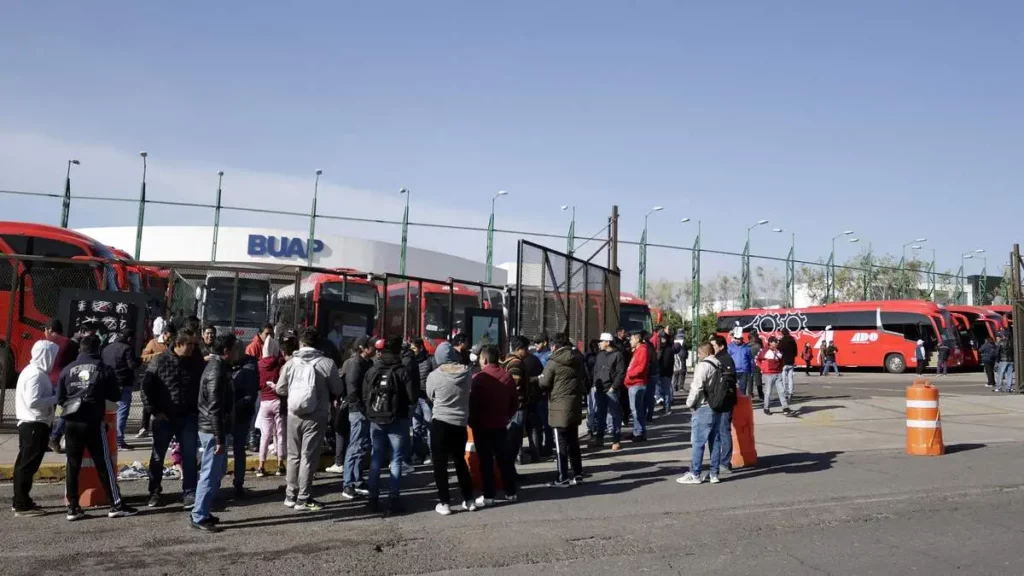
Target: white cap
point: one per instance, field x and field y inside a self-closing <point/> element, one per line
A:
<point x="919" y="342"/>
<point x="607" y="337"/>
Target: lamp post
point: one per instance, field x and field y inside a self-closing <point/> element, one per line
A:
<point x="745" y="266"/>
<point x="695" y="286"/>
<point x="66" y="207"/>
<point x="312" y="219"/>
<point x="791" y="272"/>
<point x="903" y="283"/>
<point x="216" y="217"/>
<point x="983" y="283"/>
<point x="405" y="230"/>
<point x="959" y="296"/>
<point x="642" y="288"/>
<point x="142" y="207"/>
<point x="571" y="236"/>
<point x="490" y="237"/>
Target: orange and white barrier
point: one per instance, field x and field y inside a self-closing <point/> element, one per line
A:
<point x="744" y="449"/>
<point x="473" y="461"/>
<point x="90" y="490"/>
<point x="924" y="426"/>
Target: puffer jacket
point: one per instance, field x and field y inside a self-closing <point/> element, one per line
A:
<point x="666" y="358"/>
<point x="424" y="365"/>
<point x="1005" y="350"/>
<point x="168" y="386"/>
<point x="215" y="400"/>
<point x="609" y="370"/>
<point x="564" y="379"/>
<point x="989" y="353"/>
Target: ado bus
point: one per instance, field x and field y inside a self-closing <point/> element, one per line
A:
<point x="316" y="292"/>
<point x="430" y="305"/>
<point x="38" y="284"/>
<point x="634" y="313"/>
<point x="982" y="324"/>
<point x="867" y="334"/>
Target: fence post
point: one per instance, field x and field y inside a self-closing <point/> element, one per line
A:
<point x="234" y="302"/>
<point x="451" y="305"/>
<point x="586" y="303"/>
<point x="384" y="310"/>
<point x="295" y="301"/>
<point x="543" y="293"/>
<point x="8" y="337"/>
<point x="519" y="290"/>
<point x="695" y="305"/>
<point x="405" y="311"/>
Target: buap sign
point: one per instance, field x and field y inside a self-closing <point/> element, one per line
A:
<point x="281" y="246"/>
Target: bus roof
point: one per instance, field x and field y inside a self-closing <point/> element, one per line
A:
<point x="886" y="305"/>
<point x="434" y="287"/>
<point x="627" y="298"/>
<point x="54" y="232"/>
<point x="315" y="279"/>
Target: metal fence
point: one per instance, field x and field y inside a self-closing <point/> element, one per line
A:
<point x="556" y="293"/>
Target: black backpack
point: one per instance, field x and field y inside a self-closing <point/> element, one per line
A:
<point x="382" y="398"/>
<point x="721" y="392"/>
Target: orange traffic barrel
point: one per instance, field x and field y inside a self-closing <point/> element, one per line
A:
<point x="90" y="491"/>
<point x="473" y="461"/>
<point x="744" y="450"/>
<point x="924" y="427"/>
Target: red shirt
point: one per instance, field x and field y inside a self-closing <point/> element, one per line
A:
<point x="67" y="352"/>
<point x="270" y="371"/>
<point x="770" y="361"/>
<point x="255" y="348"/>
<point x="636" y="374"/>
<point x="492" y="398"/>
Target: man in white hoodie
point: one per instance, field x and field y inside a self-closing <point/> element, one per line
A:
<point x="35" y="398"/>
<point x="705" y="422"/>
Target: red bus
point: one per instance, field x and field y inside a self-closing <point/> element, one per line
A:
<point x="982" y="324"/>
<point x="1004" y="310"/>
<point x="971" y="358"/>
<point x="38" y="284"/>
<point x="634" y="313"/>
<point x="429" y="304"/>
<point x="880" y="334"/>
<point x="319" y="289"/>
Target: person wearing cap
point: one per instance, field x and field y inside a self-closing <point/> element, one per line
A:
<point x="353" y="372"/>
<point x="603" y="410"/>
<point x="921" y="357"/>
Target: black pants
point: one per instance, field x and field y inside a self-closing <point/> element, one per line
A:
<point x="91" y="436"/>
<point x="146" y="417"/>
<point x="448" y="441"/>
<point x="32" y="440"/>
<point x="921" y="365"/>
<point x="534" y="432"/>
<point x="758" y="383"/>
<point x="567" y="446"/>
<point x="491" y="446"/>
<point x="342" y="430"/>
<point x="990" y="372"/>
<point x="808" y="367"/>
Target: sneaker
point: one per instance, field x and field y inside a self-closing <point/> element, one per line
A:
<point x="725" y="470"/>
<point x="309" y="505"/>
<point x="122" y="511"/>
<point x="576" y="481"/>
<point x="659" y="402"/>
<point x="143" y="433"/>
<point x="511" y="498"/>
<point x="289" y="502"/>
<point x="242" y="494"/>
<point x="75" y="513"/>
<point x="641" y="438"/>
<point x="689" y="478"/>
<point x="715" y="480"/>
<point x="124" y="446"/>
<point x="155" y="501"/>
<point x="260" y="473"/>
<point x="469" y="506"/>
<point x="54" y="446"/>
<point x="189" y="501"/>
<point x="349" y="493"/>
<point x="395" y="507"/>
<point x="362" y="489"/>
<point x="616" y="446"/>
<point x="213" y="519"/>
<point x="767" y="412"/>
<point x="335" y="469"/>
<point x="427" y="461"/>
<point x="204" y="526"/>
<point x="407" y="469"/>
<point x="443" y="509"/>
<point x="558" y="484"/>
<point x="482" y="502"/>
<point x="32" y="511"/>
<point x="787" y="412"/>
<point x="280" y="471"/>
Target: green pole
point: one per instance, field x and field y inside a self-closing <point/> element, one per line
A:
<point x="312" y="220"/>
<point x="66" y="206"/>
<point x="695" y="305"/>
<point x="571" y="236"/>
<point x="958" y="292"/>
<point x="791" y="273"/>
<point x="216" y="217"/>
<point x="142" y="208"/>
<point x="868" y="274"/>
<point x="490" y="239"/>
<point x="900" y="276"/>
<point x="641" y="290"/>
<point x="931" y="278"/>
<point x="983" y="283"/>
<point x="405" y="231"/>
<point x="745" y="273"/>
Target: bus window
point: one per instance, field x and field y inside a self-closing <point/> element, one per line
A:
<point x="45" y="281"/>
<point x="6" y="272"/>
<point x="435" y="314"/>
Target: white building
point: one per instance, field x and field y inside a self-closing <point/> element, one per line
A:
<point x="271" y="247"/>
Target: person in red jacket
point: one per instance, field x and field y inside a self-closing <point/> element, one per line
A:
<point x="492" y="402"/>
<point x="771" y="362"/>
<point x="636" y="384"/>
<point x="255" y="348"/>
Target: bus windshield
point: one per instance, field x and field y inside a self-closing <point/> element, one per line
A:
<point x="435" y="313"/>
<point x="356" y="293"/>
<point x="251" y="304"/>
<point x="635" y="317"/>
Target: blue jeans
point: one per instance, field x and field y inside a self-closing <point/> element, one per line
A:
<point x="649" y="388"/>
<point x="397" y="435"/>
<point x="637" y="398"/>
<point x="123" y="406"/>
<point x="358" y="445"/>
<point x="211" y="471"/>
<point x="665" y="392"/>
<point x="58" y="430"/>
<point x="745" y="383"/>
<point x="826" y="364"/>
<point x="704" y="427"/>
<point x="787" y="378"/>
<point x="597" y="412"/>
<point x="774" y="381"/>
<point x="725" y="438"/>
<point x="1004" y="370"/>
<point x="614" y="419"/>
<point x="548" y="435"/>
<point x="421" y="414"/>
<point x="186" y="430"/>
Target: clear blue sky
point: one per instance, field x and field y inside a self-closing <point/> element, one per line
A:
<point x="895" y="119"/>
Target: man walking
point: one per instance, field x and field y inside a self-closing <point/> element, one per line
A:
<point x="828" y="358"/>
<point x="84" y="388"/>
<point x="787" y="346"/>
<point x="727" y="370"/>
<point x="34" y="400"/>
<point x="744" y="363"/>
<point x="215" y="405"/>
<point x="636" y="384"/>
<point x="705" y="424"/>
<point x="119" y="356"/>
<point x="771" y="366"/>
<point x="989" y="355"/>
<point x="564" y="379"/>
<point x="1004" y="366"/>
<point x="603" y="411"/>
<point x="421" y="410"/>
<point x="666" y="371"/>
<point x="492" y="403"/>
<point x="309" y="380"/>
<point x="353" y="371"/>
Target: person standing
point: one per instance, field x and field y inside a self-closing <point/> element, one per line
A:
<point x="492" y="403"/>
<point x="353" y="372"/>
<point x="388" y="391"/>
<point x="1004" y="366"/>
<point x="787" y="346"/>
<point x="653" y="374"/>
<point x="67" y="352"/>
<point x="807" y="355"/>
<point x="771" y="366"/>
<point x="34" y="399"/>
<point x="156" y="346"/>
<point x="681" y="352"/>
<point x="119" y="356"/>
<point x="666" y="370"/>
<point x="209" y="338"/>
<point x="989" y="355"/>
<point x="215" y="406"/>
<point x="309" y="380"/>
<point x="171" y="392"/>
<point x="84" y="388"/>
<point x="271" y="417"/>
<point x="744" y="363"/>
<point x="706" y="424"/>
<point x="756" y="345"/>
<point x="245" y="388"/>
<point x="920" y="357"/>
<point x="564" y="379"/>
<point x="943" y="361"/>
<point x="828" y="358"/>
<point x="543" y="353"/>
<point x="448" y="389"/>
<point x="609" y="375"/>
<point x="636" y="384"/>
<point x="255" y="347"/>
<point x="517" y="365"/>
<point x="421" y="410"/>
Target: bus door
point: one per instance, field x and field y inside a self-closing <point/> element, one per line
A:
<point x="15" y="343"/>
<point x="343" y="322"/>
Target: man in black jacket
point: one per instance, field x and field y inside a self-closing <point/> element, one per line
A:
<point x="120" y="357"/>
<point x="245" y="389"/>
<point x="388" y="390"/>
<point x="603" y="410"/>
<point x="353" y="371"/>
<point x="215" y="404"/>
<point x="171" y="392"/>
<point x="989" y="355"/>
<point x="421" y="412"/>
<point x="83" y="390"/>
<point x="787" y="346"/>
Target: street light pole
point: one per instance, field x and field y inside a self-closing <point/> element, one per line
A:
<point x="914" y="245"/>
<point x="830" y="272"/>
<point x="66" y="207"/>
<point x="695" y="286"/>
<point x="571" y="236"/>
<point x="405" y="231"/>
<point x="142" y="208"/>
<point x="490" y="238"/>
<point x="745" y="266"/>
<point x="791" y="273"/>
<point x="642" y="281"/>
<point x="312" y="220"/>
<point x="959" y="296"/>
<point x="216" y="217"/>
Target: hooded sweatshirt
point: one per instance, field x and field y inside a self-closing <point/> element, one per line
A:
<point x="328" y="383"/>
<point x="704" y="374"/>
<point x="448" y="386"/>
<point x="270" y="369"/>
<point x="35" y="395"/>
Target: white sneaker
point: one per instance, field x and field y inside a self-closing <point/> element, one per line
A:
<point x="443" y="509"/>
<point x="143" y="433"/>
<point x="469" y="506"/>
<point x="659" y="402"/>
<point x="335" y="469"/>
<point x="689" y="478"/>
<point x="289" y="503"/>
<point x="715" y="480"/>
<point x="407" y="469"/>
<point x="512" y="499"/>
<point x="482" y="502"/>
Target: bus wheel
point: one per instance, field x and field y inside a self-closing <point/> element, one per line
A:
<point x="7" y="376"/>
<point x="895" y="364"/>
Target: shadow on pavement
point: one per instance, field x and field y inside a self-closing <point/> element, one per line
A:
<point x="954" y="448"/>
<point x="793" y="463"/>
<point x="804" y="410"/>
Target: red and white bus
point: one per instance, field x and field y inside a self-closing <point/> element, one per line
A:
<point x="317" y="291"/>
<point x="880" y="334"/>
<point x="981" y="324"/>
<point x="38" y="284"/>
<point x="1004" y="310"/>
<point x="430" y="305"/>
<point x="634" y="313"/>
